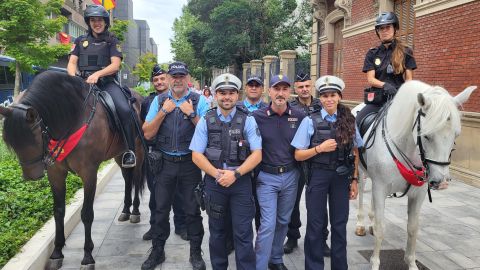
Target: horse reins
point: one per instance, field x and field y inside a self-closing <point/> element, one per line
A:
<point x="409" y="163"/>
<point x="48" y="157"/>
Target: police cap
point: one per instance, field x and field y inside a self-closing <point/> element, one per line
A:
<point x="329" y="83"/>
<point x="226" y="81"/>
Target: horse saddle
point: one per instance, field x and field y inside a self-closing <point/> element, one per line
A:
<point x="366" y="123"/>
<point x="109" y="105"/>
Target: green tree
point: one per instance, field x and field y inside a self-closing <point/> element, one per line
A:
<point x="119" y="28"/>
<point x="143" y="69"/>
<point x="27" y="26"/>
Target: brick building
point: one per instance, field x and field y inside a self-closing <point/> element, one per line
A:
<point x="444" y="36"/>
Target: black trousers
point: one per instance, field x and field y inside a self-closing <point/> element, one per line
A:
<point x="369" y="108"/>
<point x="238" y="209"/>
<point x="124" y="112"/>
<point x="176" y="177"/>
<point x="177" y="206"/>
<point x="295" y="223"/>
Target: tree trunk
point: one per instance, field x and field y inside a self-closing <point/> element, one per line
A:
<point x="18" y="78"/>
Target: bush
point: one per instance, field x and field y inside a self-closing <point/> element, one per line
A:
<point x="24" y="206"/>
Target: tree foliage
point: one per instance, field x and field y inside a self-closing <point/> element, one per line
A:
<point x="27" y="27"/>
<point x="119" y="28"/>
<point x="143" y="69"/>
<point x="232" y="32"/>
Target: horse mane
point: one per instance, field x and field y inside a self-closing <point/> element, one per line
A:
<point x="440" y="113"/>
<point x="58" y="99"/>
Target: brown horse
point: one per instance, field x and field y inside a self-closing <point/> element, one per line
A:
<point x="54" y="107"/>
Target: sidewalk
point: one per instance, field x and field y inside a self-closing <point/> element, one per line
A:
<point x="449" y="237"/>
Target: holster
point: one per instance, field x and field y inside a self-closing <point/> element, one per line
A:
<point x="155" y="162"/>
<point x="199" y="193"/>
<point x="306" y="172"/>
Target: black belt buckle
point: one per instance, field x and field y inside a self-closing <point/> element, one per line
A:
<point x="177" y="158"/>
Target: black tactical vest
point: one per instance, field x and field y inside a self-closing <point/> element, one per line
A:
<point x="226" y="142"/>
<point x="314" y="105"/>
<point x="177" y="129"/>
<point x="94" y="54"/>
<point x="324" y="130"/>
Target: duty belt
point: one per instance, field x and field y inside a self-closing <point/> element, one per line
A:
<point x="277" y="169"/>
<point x="172" y="158"/>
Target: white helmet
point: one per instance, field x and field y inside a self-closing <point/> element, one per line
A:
<point x="329" y="83"/>
<point x="226" y="81"/>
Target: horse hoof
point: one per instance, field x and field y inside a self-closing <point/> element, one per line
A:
<point x="371" y="231"/>
<point x="360" y="231"/>
<point x="87" y="267"/>
<point x="134" y="218"/>
<point x="124" y="217"/>
<point x="54" y="264"/>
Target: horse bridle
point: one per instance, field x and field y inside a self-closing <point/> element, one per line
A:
<point x="48" y="157"/>
<point x="43" y="157"/>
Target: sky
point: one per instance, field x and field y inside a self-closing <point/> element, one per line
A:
<point x="160" y="15"/>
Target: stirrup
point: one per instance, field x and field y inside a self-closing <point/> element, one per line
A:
<point x="134" y="160"/>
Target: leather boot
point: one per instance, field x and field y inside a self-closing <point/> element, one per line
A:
<point x="156" y="257"/>
<point x="196" y="256"/>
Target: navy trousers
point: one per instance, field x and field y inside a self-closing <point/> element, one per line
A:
<point x="238" y="201"/>
<point x="326" y="185"/>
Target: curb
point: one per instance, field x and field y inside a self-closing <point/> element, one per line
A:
<point x="35" y="253"/>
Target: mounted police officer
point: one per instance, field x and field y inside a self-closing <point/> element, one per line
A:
<point x="171" y="122"/>
<point x="159" y="81"/>
<point x="97" y="55"/>
<point x="309" y="104"/>
<point x="278" y="178"/>
<point x="227" y="146"/>
<point x="387" y="66"/>
<point x="329" y="139"/>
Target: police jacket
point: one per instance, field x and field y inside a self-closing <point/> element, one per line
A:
<point x="324" y="130"/>
<point x="226" y="141"/>
<point x="314" y="105"/>
<point x="379" y="59"/>
<point x="176" y="130"/>
<point x="94" y="53"/>
<point x="241" y="104"/>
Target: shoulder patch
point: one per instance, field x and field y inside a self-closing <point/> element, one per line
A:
<point x="119" y="47"/>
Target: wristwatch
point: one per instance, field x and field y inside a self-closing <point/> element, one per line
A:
<point x="237" y="174"/>
<point x="192" y="115"/>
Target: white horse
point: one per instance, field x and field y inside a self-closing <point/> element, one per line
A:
<point x="419" y="127"/>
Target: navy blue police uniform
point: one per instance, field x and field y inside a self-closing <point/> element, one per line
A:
<point x="295" y="222"/>
<point x="379" y="59"/>
<point x="93" y="55"/>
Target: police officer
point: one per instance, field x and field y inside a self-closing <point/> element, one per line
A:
<point x="306" y="102"/>
<point x="253" y="94"/>
<point x="303" y="89"/>
<point x="277" y="180"/>
<point x="220" y="147"/>
<point x="97" y="55"/>
<point x="387" y="66"/>
<point x="159" y="80"/>
<point x="171" y="122"/>
<point x="329" y="139"/>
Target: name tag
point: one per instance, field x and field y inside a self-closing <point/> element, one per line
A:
<point x="235" y="131"/>
<point x="292" y="119"/>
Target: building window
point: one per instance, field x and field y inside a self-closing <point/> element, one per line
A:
<point x="406" y="14"/>
<point x="73" y="29"/>
<point x="338" y="49"/>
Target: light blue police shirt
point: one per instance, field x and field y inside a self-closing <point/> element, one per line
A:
<point x="200" y="137"/>
<point x="305" y="131"/>
<point x="202" y="106"/>
<point x="252" y="107"/>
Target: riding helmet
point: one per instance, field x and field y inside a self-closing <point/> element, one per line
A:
<point x="387" y="18"/>
<point x="96" y="11"/>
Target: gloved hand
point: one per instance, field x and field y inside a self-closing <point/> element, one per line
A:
<point x="389" y="89"/>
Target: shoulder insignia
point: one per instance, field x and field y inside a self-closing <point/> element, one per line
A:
<point x="119" y="47"/>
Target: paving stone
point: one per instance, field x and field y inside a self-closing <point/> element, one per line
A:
<point x="460" y="259"/>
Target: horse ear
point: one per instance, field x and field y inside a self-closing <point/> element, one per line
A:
<point x="422" y="100"/>
<point x="31" y="115"/>
<point x="461" y="98"/>
<point x="5" y="111"/>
